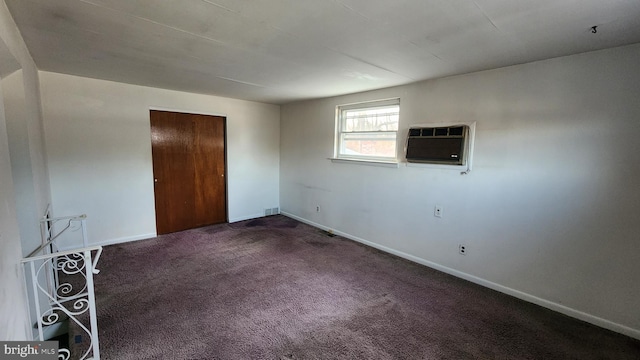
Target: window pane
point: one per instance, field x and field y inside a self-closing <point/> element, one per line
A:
<point x="372" y="119"/>
<point x="368" y="130"/>
<point x="369" y="145"/>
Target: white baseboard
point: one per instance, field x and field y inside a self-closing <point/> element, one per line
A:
<point x="248" y="217"/>
<point x="604" y="323"/>
<point x="116" y="241"/>
<point x="126" y="239"/>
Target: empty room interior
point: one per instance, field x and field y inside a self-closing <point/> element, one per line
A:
<point x="489" y="144"/>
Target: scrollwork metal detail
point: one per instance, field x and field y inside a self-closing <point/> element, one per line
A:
<point x="63" y="354"/>
<point x="65" y="289"/>
<point x="81" y="306"/>
<point x="70" y="264"/>
<point x="73" y="297"/>
<point x="68" y="267"/>
<point x="51" y="318"/>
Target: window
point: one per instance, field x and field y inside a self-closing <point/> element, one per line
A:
<point x="368" y="131"/>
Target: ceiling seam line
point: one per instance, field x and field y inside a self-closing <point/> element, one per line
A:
<point x="219" y="6"/>
<point x="342" y="53"/>
<point x="486" y="16"/>
<point x="155" y="22"/>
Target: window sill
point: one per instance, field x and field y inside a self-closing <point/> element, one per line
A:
<point x="380" y="163"/>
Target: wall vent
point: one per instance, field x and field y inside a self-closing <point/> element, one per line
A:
<point x="271" y="211"/>
<point x="437" y="145"/>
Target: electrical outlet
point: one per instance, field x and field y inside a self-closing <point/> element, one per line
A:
<point x="462" y="249"/>
<point x="437" y="211"/>
<point x="317" y="208"/>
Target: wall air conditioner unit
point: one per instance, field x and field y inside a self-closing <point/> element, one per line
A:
<point x="438" y="145"/>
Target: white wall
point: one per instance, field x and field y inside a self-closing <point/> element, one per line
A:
<point x="24" y="193"/>
<point x="13" y="316"/>
<point x="99" y="152"/>
<point x="22" y="171"/>
<point x="550" y="212"/>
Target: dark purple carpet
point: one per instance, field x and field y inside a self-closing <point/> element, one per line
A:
<point x="274" y="288"/>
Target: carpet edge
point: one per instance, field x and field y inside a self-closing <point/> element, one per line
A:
<point x="577" y="314"/>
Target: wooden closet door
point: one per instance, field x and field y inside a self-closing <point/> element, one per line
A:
<point x="188" y="154"/>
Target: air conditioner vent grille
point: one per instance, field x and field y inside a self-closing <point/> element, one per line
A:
<point x="438" y="145"/>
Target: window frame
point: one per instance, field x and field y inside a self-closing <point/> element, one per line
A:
<point x="341" y="134"/>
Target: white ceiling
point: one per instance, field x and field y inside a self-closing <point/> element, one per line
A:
<point x="279" y="51"/>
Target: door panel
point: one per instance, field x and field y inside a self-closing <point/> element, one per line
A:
<point x="188" y="153"/>
<point x="209" y="168"/>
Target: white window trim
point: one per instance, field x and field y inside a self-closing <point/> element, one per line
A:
<point x="363" y="160"/>
<point x="391" y="164"/>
